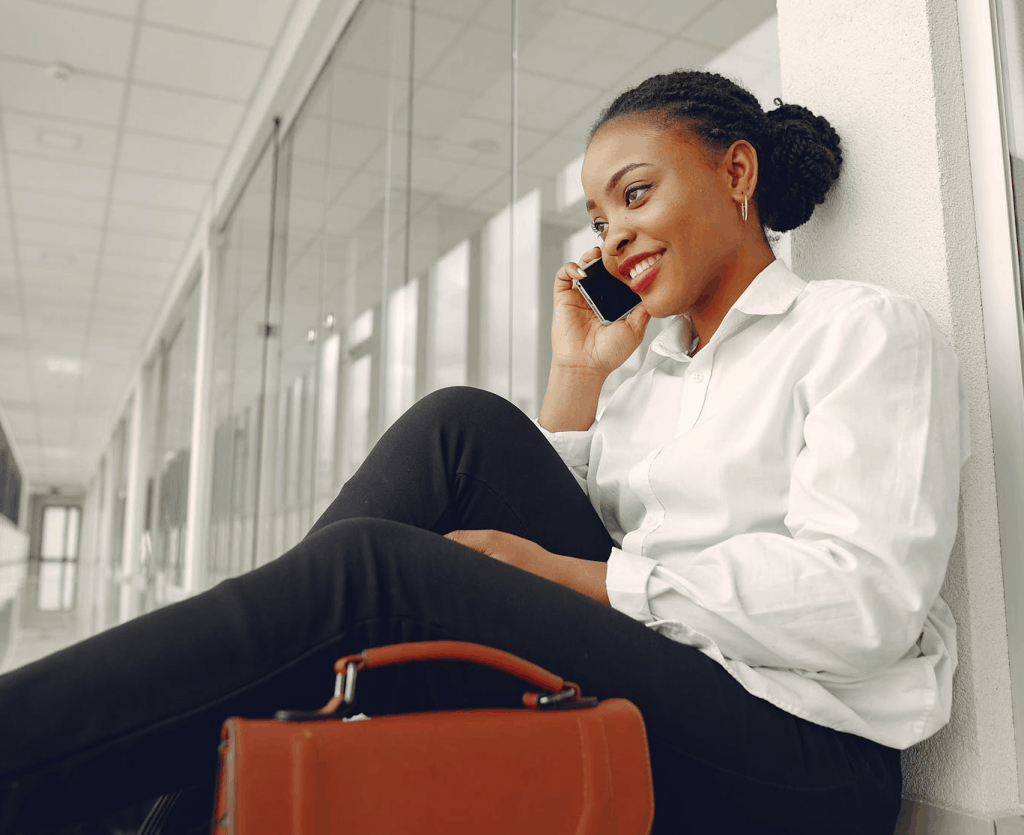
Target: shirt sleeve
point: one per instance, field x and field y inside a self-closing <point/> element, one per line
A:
<point x="574" y="449"/>
<point x="872" y="513"/>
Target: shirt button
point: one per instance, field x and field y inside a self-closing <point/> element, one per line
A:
<point x="698" y="377"/>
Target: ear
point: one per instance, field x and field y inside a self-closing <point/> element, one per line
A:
<point x="740" y="165"/>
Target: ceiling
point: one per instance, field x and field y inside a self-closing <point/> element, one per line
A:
<point x="116" y="117"/>
<point x="115" y="120"/>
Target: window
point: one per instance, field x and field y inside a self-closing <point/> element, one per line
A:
<point x="58" y="554"/>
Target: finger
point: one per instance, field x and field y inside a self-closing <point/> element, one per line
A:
<point x="591" y="254"/>
<point x="570" y="271"/>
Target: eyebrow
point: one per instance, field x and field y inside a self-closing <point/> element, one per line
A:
<point x="618" y="175"/>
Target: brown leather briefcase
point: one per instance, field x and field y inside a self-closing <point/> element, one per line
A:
<point x="560" y="764"/>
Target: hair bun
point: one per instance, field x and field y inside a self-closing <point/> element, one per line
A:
<point x="803" y="161"/>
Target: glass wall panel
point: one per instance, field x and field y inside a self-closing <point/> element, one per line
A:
<point x="426" y="194"/>
<point x="168" y="510"/>
<point x="460" y="222"/>
<point x="119" y="447"/>
<point x="237" y="393"/>
<point x="344" y="361"/>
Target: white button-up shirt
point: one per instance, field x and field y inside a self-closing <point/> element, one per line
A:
<point x="786" y="500"/>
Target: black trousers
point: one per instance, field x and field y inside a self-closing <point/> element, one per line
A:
<point x="135" y="712"/>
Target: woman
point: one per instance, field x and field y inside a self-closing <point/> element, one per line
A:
<point x="754" y="560"/>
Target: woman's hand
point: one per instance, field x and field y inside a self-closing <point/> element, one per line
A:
<point x="583" y="353"/>
<point x="584" y="576"/>
<point x="579" y="341"/>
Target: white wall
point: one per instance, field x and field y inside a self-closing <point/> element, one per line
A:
<point x="888" y="75"/>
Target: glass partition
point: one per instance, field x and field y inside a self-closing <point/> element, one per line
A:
<point x="237" y="395"/>
<point x="407" y="239"/>
<point x="344" y="361"/>
<point x="167" y="488"/>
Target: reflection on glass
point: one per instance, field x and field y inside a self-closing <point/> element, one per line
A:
<point x="174" y="420"/>
<point x="327" y="423"/>
<point x="510" y="300"/>
<point x="448" y="319"/>
<point x="422" y="215"/>
<point x="401" y="353"/>
<point x="238" y="377"/>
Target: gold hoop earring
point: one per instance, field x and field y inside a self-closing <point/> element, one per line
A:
<point x="743" y="211"/>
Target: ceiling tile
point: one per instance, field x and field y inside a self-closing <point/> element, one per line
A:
<point x="10" y="321"/>
<point x="58" y="176"/>
<point x="26" y="88"/>
<point x="119" y="8"/>
<point x="110" y="303"/>
<point x="57" y="207"/>
<point x="182" y="115"/>
<point x="55" y="255"/>
<point x="172" y="157"/>
<point x="725" y="23"/>
<point x="47" y="34"/>
<point x="38" y="294"/>
<point x="197" y="63"/>
<point x="132" y="269"/>
<point x="473" y="61"/>
<point x="51" y="137"/>
<point x="145" y="246"/>
<point x="151" y="190"/>
<point x="255" y="21"/>
<point x="163" y="222"/>
<point x="43" y="232"/>
<point x="672" y="15"/>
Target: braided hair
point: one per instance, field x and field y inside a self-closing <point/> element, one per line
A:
<point x="798" y="152"/>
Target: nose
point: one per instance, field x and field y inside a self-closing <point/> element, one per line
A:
<point x="617" y="239"/>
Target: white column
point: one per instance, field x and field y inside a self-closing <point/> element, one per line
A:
<point x="199" y="470"/>
<point x="888" y="75"/>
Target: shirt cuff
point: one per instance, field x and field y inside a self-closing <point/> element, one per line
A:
<point x="626" y="584"/>
<point x="572" y="447"/>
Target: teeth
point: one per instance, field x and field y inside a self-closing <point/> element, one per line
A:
<point x="643" y="265"/>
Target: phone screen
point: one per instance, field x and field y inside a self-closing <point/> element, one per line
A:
<point x="609" y="297"/>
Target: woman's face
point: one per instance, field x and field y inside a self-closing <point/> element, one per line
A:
<point x="666" y="214"/>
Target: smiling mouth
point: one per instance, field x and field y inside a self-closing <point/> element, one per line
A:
<point x="642" y="272"/>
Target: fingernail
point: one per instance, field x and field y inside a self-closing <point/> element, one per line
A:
<point x="579" y="269"/>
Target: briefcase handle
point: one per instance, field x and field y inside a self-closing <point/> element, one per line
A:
<point x="560" y="693"/>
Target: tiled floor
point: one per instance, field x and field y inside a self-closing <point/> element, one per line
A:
<point x="26" y="633"/>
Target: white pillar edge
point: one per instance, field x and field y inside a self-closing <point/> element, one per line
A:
<point x="134" y="503"/>
<point x="1004" y="325"/>
<point x="202" y="417"/>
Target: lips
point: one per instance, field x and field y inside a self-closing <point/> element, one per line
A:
<point x="640" y="269"/>
<point x="644" y="279"/>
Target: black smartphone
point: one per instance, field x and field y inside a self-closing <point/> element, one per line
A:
<point x="609" y="297"/>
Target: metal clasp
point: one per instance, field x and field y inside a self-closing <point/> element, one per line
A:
<point x="345" y="683"/>
<point x="568" y="698"/>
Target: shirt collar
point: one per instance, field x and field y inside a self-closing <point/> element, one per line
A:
<point x="773" y="291"/>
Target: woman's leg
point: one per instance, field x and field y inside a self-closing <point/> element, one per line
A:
<point x="724" y="761"/>
<point x="135" y="711"/>
<point x="466" y="458"/>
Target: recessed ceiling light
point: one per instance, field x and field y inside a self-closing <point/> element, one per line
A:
<point x="59" y="139"/>
<point x="63" y="365"/>
<point x="59" y="72"/>
<point x="485" y="145"/>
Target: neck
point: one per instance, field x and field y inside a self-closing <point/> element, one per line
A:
<point x="726" y="287"/>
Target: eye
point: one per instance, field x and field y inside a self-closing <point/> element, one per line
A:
<point x="636" y="192"/>
<point x="598" y="226"/>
